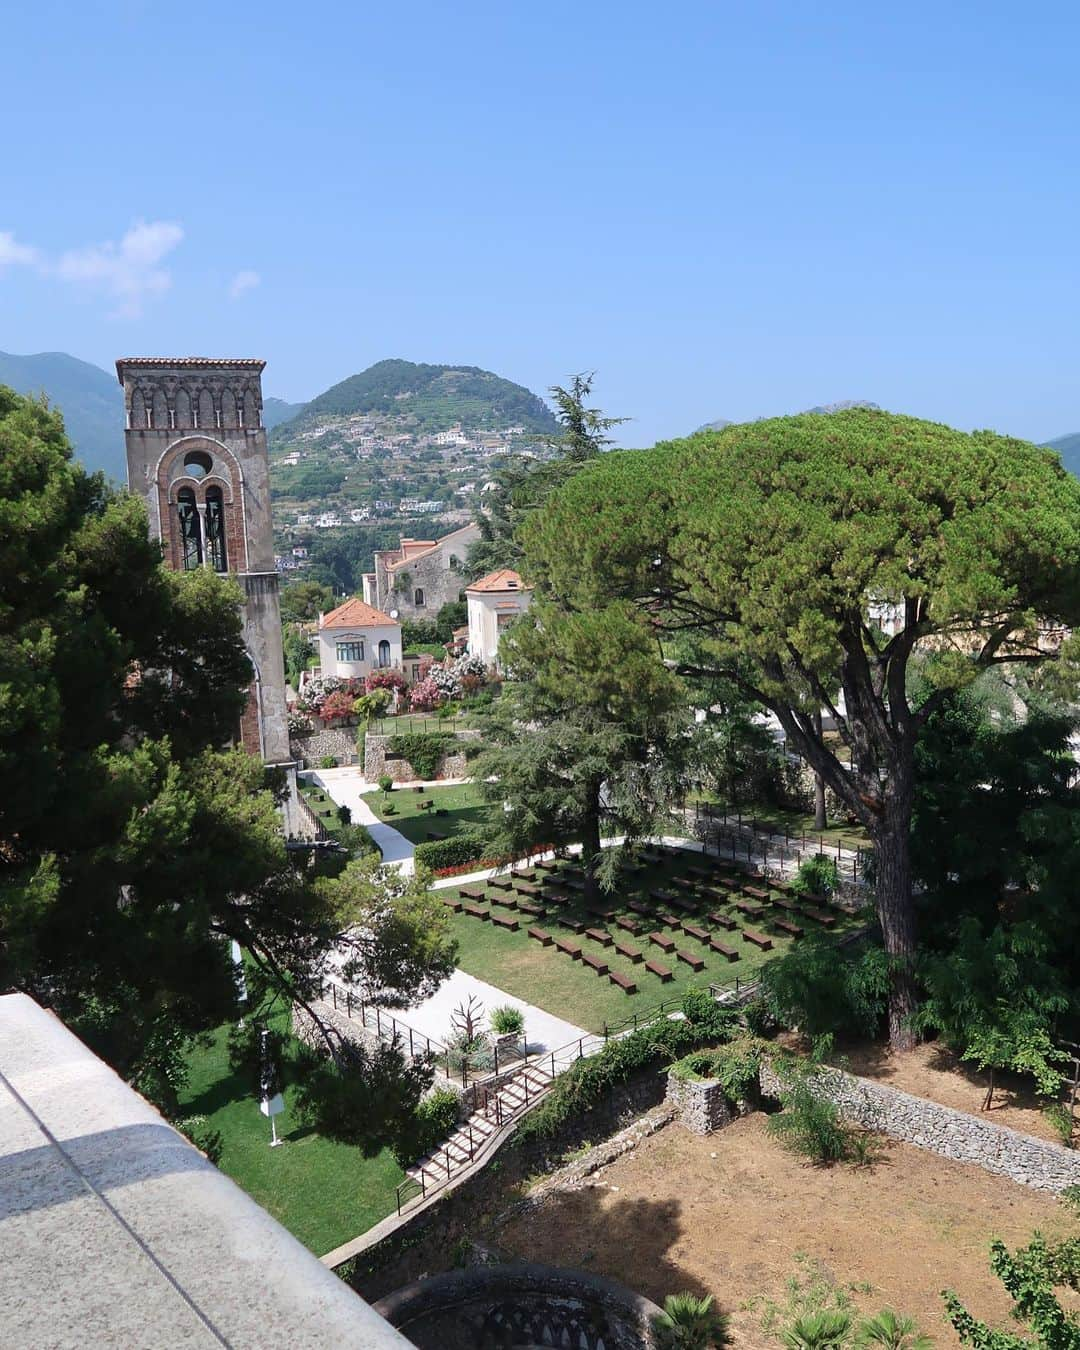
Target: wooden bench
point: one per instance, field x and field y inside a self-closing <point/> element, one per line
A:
<point x="473" y="893"/>
<point x="728" y="953"/>
<point x="451" y="902"/>
<point x="788" y="906"/>
<point x="545" y="865"/>
<point x="625" y="983"/>
<point x="692" y="930"/>
<point x="604" y="912"/>
<point x="504" y="921"/>
<point x="599" y="935"/>
<point x="594" y="963"/>
<point x="631" y="953"/>
<point x="574" y="925"/>
<point x="665" y="944"/>
<point x="751" y="911"/>
<point x="757" y="893"/>
<point x="757" y="939"/>
<point x="507" y="899"/>
<point x="702" y="873"/>
<point x="556" y="898"/>
<point x="665" y="897"/>
<point x="574" y="883"/>
<point x="418" y="788"/>
<point x="500" y="884"/>
<point x="527" y="907"/>
<point x="688" y="958"/>
<point x="667" y="920"/>
<point x="683" y="884"/>
<point x="723" y="921"/>
<point x="441" y="811"/>
<point x="477" y="912"/>
<point x="661" y="972"/>
<point x="639" y="907"/>
<point x="571" y="949"/>
<point x="526" y="888"/>
<point x="728" y="883"/>
<point x="541" y="935"/>
<point x="819" y="916"/>
<point x="628" y="925"/>
<point x="426" y="806"/>
<point x="791" y="929"/>
<point x="523" y="874"/>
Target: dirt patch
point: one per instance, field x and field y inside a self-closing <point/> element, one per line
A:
<point x="730" y="1214"/>
<point x="935" y="1072"/>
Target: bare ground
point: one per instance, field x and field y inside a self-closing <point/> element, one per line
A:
<point x="730" y="1215"/>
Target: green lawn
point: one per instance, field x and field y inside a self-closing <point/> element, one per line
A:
<point x="465" y="810"/>
<point x="322" y="1192"/>
<point x="553" y="981"/>
<point x="796" y="823"/>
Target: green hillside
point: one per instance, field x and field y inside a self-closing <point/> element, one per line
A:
<point x="90" y="399"/>
<point x="428" y="398"/>
<point x="276" y="411"/>
<point x="1068" y="447"/>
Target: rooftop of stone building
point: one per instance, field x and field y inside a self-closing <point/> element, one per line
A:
<point x="174" y="362"/>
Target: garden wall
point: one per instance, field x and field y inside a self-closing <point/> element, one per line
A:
<point x="337" y="741"/>
<point x="941" y="1129"/>
<point x="700" y="1103"/>
<point x="378" y="760"/>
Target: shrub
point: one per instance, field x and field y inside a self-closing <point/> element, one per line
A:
<point x="372" y="704"/>
<point x="337" y="706"/>
<point x="432" y="1121"/>
<point x="356" y="839"/>
<point x="507" y="1020"/>
<point x="823" y="989"/>
<point x="298" y="724"/>
<point x="425" y="695"/>
<point x="386" y="783"/>
<point x="810" y="1123"/>
<point x="690" y="1323"/>
<point x="344" y="815"/>
<point x="1061" y="1120"/>
<point x="467" y="847"/>
<point x="423" y="749"/>
<point x="817" y="875"/>
<point x="474" y="1051"/>
<point x="446" y="680"/>
<point x="825" y="1329"/>
<point x="328" y="762"/>
<point x="384" y="679"/>
<point x="735" y="1066"/>
<point x="713" y="1019"/>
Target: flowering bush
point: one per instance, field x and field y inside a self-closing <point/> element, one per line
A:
<point x="425" y="695"/>
<point x="446" y="681"/>
<point x="469" y="667"/>
<point x="384" y="679"/>
<point x="318" y="689"/>
<point x="299" y="725"/>
<point x="337" y="705"/>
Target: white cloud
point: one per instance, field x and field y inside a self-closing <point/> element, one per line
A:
<point x="246" y="280"/>
<point x="12" y="253"/>
<point x="130" y="271"/>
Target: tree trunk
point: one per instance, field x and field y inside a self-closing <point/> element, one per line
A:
<point x="896" y="913"/>
<point x="590" y="842"/>
<point x="820" y="820"/>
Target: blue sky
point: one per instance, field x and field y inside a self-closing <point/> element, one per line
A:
<point x="726" y="209"/>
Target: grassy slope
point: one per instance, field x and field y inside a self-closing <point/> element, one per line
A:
<point x="541" y="975"/>
<point x="322" y="1192"/>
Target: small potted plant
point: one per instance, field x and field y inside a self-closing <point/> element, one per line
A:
<point x="508" y="1025"/>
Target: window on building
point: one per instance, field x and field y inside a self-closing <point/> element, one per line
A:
<point x="350" y="651"/>
<point x="418" y="596"/>
<point x="384" y="653"/>
<point x="190" y="531"/>
<point x="215" y="530"/>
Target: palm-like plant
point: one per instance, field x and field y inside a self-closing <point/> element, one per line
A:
<point x="826" y="1329"/>
<point x="690" y="1323"/>
<point x="892" y="1331"/>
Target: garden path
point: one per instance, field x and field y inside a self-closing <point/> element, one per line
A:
<point x="346" y="787"/>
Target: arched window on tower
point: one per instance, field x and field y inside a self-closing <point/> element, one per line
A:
<point x="138" y="409"/>
<point x="183" y="409"/>
<point x="418" y="597"/>
<point x="159" y="409"/>
<point x="215" y="530"/>
<point x="384" y="653"/>
<point x="207" y="420"/>
<point x="228" y="409"/>
<point x="190" y="534"/>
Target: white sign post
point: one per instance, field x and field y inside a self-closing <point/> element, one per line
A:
<point x="273" y="1106"/>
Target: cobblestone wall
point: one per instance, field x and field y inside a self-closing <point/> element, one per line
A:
<point x="337" y="741"/>
<point x="941" y="1129"/>
<point x="700" y="1103"/>
<point x="377" y="761"/>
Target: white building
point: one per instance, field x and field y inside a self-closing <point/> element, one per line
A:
<point x="494" y="602"/>
<point x="356" y="639"/>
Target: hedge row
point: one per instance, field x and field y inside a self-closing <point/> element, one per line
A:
<point x="467" y="847"/>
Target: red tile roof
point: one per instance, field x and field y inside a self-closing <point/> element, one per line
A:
<point x="505" y="579"/>
<point x="356" y="613"/>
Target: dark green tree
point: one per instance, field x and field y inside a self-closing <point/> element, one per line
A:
<point x="814" y="554"/>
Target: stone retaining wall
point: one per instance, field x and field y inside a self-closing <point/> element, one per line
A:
<point x="967" y="1138"/>
<point x="700" y="1103"/>
<point x="379" y="761"/>
<point x="337" y="741"/>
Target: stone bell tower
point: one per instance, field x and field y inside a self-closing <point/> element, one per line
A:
<point x="196" y="454"/>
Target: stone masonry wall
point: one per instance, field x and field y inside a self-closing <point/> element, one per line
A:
<point x="377" y="760"/>
<point x="701" y="1104"/>
<point x="941" y="1129"/>
<point x="337" y="741"/>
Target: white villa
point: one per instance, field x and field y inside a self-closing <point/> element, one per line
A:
<point x="494" y="602"/>
<point x="356" y="639"/>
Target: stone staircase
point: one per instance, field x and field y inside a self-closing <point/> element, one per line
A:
<point x="495" y="1107"/>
